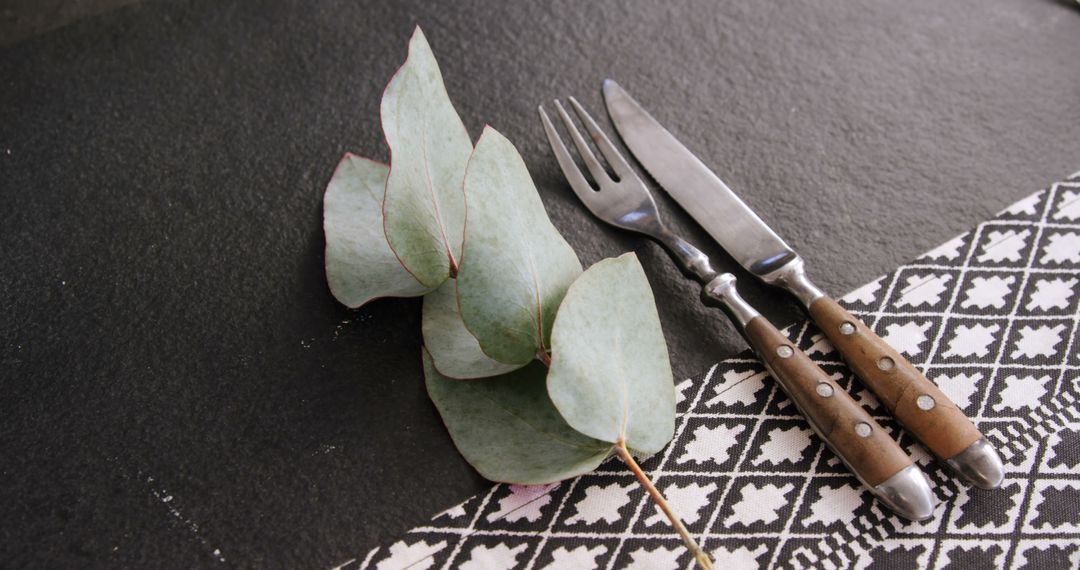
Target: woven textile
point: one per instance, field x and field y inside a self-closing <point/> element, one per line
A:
<point x="991" y="316"/>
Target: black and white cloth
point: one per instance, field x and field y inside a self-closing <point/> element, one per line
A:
<point x="991" y="316"/>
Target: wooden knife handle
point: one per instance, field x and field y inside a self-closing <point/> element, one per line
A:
<point x="919" y="405"/>
<point x="857" y="438"/>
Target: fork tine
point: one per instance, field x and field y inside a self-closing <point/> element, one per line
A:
<point x="566" y="162"/>
<point x="613" y="156"/>
<point x="591" y="162"/>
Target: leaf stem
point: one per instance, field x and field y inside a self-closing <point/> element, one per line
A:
<point x="454" y="266"/>
<point x="544" y="357"/>
<point x="703" y="559"/>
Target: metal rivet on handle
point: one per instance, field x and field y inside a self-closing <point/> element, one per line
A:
<point x="824" y="390"/>
<point x="847" y="328"/>
<point x="784" y="351"/>
<point x="925" y="402"/>
<point x="863" y="429"/>
<point x="885" y="363"/>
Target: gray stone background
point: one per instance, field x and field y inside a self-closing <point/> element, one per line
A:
<point x="21" y="19"/>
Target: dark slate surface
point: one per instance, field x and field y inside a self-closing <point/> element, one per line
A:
<point x="177" y="379"/>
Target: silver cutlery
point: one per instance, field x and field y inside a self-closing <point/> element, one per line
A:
<point x="916" y="402"/>
<point x="860" y="442"/>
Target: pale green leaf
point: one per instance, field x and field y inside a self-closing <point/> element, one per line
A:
<point x="452" y="347"/>
<point x="429" y="147"/>
<point x="507" y="428"/>
<point x="515" y="266"/>
<point x="359" y="264"/>
<point x="610" y="375"/>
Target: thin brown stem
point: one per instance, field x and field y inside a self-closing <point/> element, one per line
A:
<point x="454" y="266"/>
<point x="703" y="559"/>
<point x="544" y="357"/>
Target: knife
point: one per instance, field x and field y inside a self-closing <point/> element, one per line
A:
<point x="916" y="402"/>
<point x="853" y="435"/>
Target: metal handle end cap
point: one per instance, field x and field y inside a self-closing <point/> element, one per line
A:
<point x="908" y="494"/>
<point x="979" y="465"/>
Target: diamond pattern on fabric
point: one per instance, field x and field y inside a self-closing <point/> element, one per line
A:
<point x="991" y="316"/>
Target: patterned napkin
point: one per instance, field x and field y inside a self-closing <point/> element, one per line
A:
<point x="991" y="316"/>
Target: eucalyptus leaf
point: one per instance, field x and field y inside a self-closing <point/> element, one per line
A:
<point x="507" y="428"/>
<point x="425" y="204"/>
<point x="515" y="265"/>
<point x="453" y="348"/>
<point x="359" y="264"/>
<point x="610" y="376"/>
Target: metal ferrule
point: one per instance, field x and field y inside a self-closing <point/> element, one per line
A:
<point x="979" y="465"/>
<point x="722" y="290"/>
<point x="908" y="494"/>
<point x="792" y="277"/>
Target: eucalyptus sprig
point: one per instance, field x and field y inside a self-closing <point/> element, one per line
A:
<point x="540" y="371"/>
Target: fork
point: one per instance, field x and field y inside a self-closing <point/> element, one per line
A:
<point x="855" y="437"/>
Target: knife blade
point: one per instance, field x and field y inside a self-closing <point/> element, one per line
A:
<point x="905" y="392"/>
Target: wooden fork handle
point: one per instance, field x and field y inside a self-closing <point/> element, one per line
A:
<point x="863" y="445"/>
<point x="919" y="405"/>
